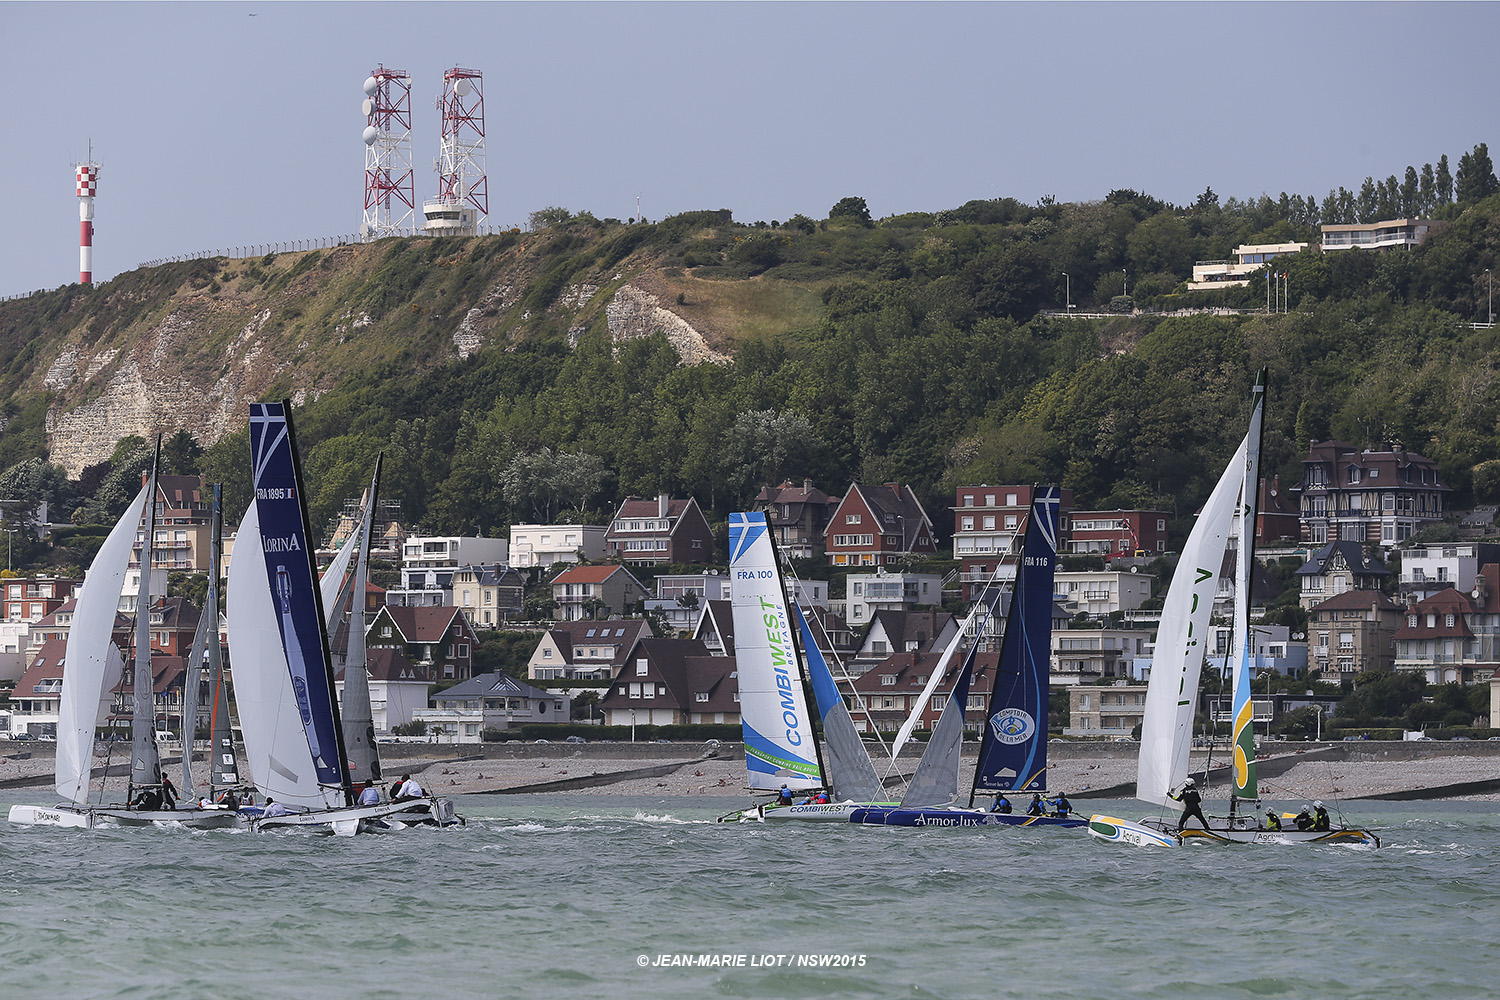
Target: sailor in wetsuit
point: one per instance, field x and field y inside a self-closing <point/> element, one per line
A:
<point x="1320" y="817"/>
<point x="1002" y="804"/>
<point x="1191" y="804"/>
<point x="1036" y="808"/>
<point x="1273" y="821"/>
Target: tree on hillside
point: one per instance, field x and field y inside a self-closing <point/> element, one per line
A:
<point x="542" y="218"/>
<point x="543" y="482"/>
<point x="180" y="455"/>
<point x="851" y="208"/>
<point x="764" y="447"/>
<point x="131" y="460"/>
<point x="25" y="486"/>
<point x="1444" y="182"/>
<point x="1476" y="175"/>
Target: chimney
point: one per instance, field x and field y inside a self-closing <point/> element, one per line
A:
<point x="894" y="488"/>
<point x="806" y="485"/>
<point x="662" y="503"/>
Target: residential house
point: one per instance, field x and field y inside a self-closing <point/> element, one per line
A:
<point x="1278" y="519"/>
<point x="37" y="697"/>
<point x="538" y="546"/>
<point x="989" y="529"/>
<point x="1098" y="593"/>
<point x="1368" y="497"/>
<point x="588" y="591"/>
<point x="878" y="526"/>
<point x="670" y="681"/>
<point x="1388" y="234"/>
<point x="1336" y="568"/>
<point x="398" y="687"/>
<point x="1271" y="645"/>
<point x="463" y="712"/>
<point x="1438" y="639"/>
<point x="1090" y="655"/>
<point x="1248" y="259"/>
<point x="490" y="595"/>
<point x="1105" y="710"/>
<point x="660" y="531"/>
<point x="1352" y="633"/>
<point x="184" y="510"/>
<point x="798" y="517"/>
<point x="28" y="601"/>
<point x="587" y="649"/>
<point x="680" y="596"/>
<point x="902" y="632"/>
<point x="1117" y="534"/>
<point x="1264" y="588"/>
<point x="439" y="638"/>
<point x="429" y="564"/>
<point x="715" y="628"/>
<point x="1429" y="569"/>
<point x="889" y="692"/>
<point x="867" y="593"/>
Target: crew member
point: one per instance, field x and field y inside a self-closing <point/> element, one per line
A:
<point x="1273" y="820"/>
<point x="784" y="797"/>
<point x="1320" y="817"/>
<point x="369" y="796"/>
<point x="1002" y="804"/>
<point x="1192" y="804"/>
<point x="1062" y="806"/>
<point x="1304" y="819"/>
<point x="1036" y="808"/>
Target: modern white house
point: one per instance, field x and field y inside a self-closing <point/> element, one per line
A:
<point x="1248" y="258"/>
<point x="1385" y="235"/>
<point x="1428" y="569"/>
<point x="1101" y="592"/>
<point x="1093" y="655"/>
<point x="428" y="564"/>
<point x="490" y="701"/>
<point x="867" y="593"/>
<point x="541" y="545"/>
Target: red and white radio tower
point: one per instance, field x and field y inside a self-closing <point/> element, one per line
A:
<point x="463" y="200"/>
<point x="390" y="182"/>
<point x="87" y="176"/>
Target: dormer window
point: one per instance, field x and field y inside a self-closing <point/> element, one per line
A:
<point x="888" y="679"/>
<point x="1353" y="474"/>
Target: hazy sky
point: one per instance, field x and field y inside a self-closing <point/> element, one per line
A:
<point x="227" y="123"/>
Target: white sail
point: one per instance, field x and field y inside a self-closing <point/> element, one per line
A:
<point x="1167" y="728"/>
<point x="93" y="664"/>
<point x="333" y="579"/>
<point x="780" y="748"/>
<point x="938" y="673"/>
<point x="276" y="744"/>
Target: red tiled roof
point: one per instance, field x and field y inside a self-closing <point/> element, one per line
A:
<point x="589" y="574"/>
<point x="423" y="624"/>
<point x="1351" y="600"/>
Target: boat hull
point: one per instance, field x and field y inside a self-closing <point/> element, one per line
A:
<point x="346" y="822"/>
<point x="1159" y="833"/>
<point x="954" y="816"/>
<point x="830" y="812"/>
<point x="91" y="817"/>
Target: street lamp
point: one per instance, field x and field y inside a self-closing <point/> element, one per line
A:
<point x="1490" y="279"/>
<point x="632" y="725"/>
<point x="1067" y="293"/>
<point x="10" y="537"/>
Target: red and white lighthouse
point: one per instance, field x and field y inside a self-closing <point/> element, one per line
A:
<point x="87" y="175"/>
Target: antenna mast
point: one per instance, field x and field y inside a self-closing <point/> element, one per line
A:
<point x="390" y="183"/>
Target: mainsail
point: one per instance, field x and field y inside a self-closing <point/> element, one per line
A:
<point x="780" y="747"/>
<point x="358" y="717"/>
<point x="1167" y="725"/>
<point x="283" y="681"/>
<point x="145" y="764"/>
<point x="223" y="770"/>
<point x="935" y="781"/>
<point x="1244" y="730"/>
<point x="849" y="767"/>
<point x="94" y="664"/>
<point x="1013" y="749"/>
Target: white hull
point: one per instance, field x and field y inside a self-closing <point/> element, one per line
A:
<point x="346" y="822"/>
<point x="831" y="812"/>
<point x="90" y="817"/>
<point x="1159" y="833"/>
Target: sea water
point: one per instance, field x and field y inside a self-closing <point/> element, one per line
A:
<point x="614" y="897"/>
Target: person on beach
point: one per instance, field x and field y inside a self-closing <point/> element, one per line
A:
<point x="1320" y="817"/>
<point x="1304" y="819"/>
<point x="1273" y="820"/>
<point x="1036" y="808"/>
<point x="784" y="797"/>
<point x="1192" y="804"/>
<point x="1002" y="804"/>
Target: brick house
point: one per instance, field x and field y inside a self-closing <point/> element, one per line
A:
<point x="888" y="692"/>
<point x="664" y="530"/>
<point x="1451" y="636"/>
<point x="672" y="682"/>
<point x="989" y="529"/>
<point x="878" y="526"/>
<point x="1117" y="534"/>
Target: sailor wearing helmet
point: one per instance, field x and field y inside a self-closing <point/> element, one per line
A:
<point x="1191" y="804"/>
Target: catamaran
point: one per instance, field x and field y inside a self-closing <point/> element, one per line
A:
<point x="93" y="669"/>
<point x="278" y="637"/>
<point x="1172" y="694"/>
<point x="1013" y="748"/>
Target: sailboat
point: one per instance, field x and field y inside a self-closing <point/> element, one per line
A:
<point x="1172" y="694"/>
<point x="1013" y="748"/>
<point x="94" y="668"/>
<point x="284" y="687"/>
<point x="343" y="593"/>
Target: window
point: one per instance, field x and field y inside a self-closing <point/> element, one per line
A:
<point x="463" y="650"/>
<point x="1374" y="473"/>
<point x="939" y="702"/>
<point x="640" y="668"/>
<point x="1161" y="524"/>
<point x="1353" y="474"/>
<point x="967" y="523"/>
<point x="1411" y="621"/>
<point x="887" y="679"/>
<point x="1011" y="520"/>
<point x="853" y="518"/>
<point x="1449" y="621"/>
<point x="968" y="499"/>
<point x="701" y="696"/>
<point x="989" y="522"/>
<point x="1083" y="702"/>
<point x="1010" y="500"/>
<point x="989" y="499"/>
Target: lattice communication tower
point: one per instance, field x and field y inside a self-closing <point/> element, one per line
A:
<point x="390" y="182"/>
<point x="463" y="200"/>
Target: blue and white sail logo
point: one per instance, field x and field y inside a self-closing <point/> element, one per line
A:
<point x="1012" y="725"/>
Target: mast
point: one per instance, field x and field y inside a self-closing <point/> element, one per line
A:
<point x="1244" y="728"/>
<point x="223" y="771"/>
<point x="808" y="696"/>
<point x="145" y="764"/>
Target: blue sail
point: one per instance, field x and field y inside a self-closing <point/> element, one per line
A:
<point x="1013" y="750"/>
<point x="295" y="599"/>
<point x="851" y="775"/>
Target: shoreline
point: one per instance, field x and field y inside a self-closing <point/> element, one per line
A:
<point x="1289" y="771"/>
